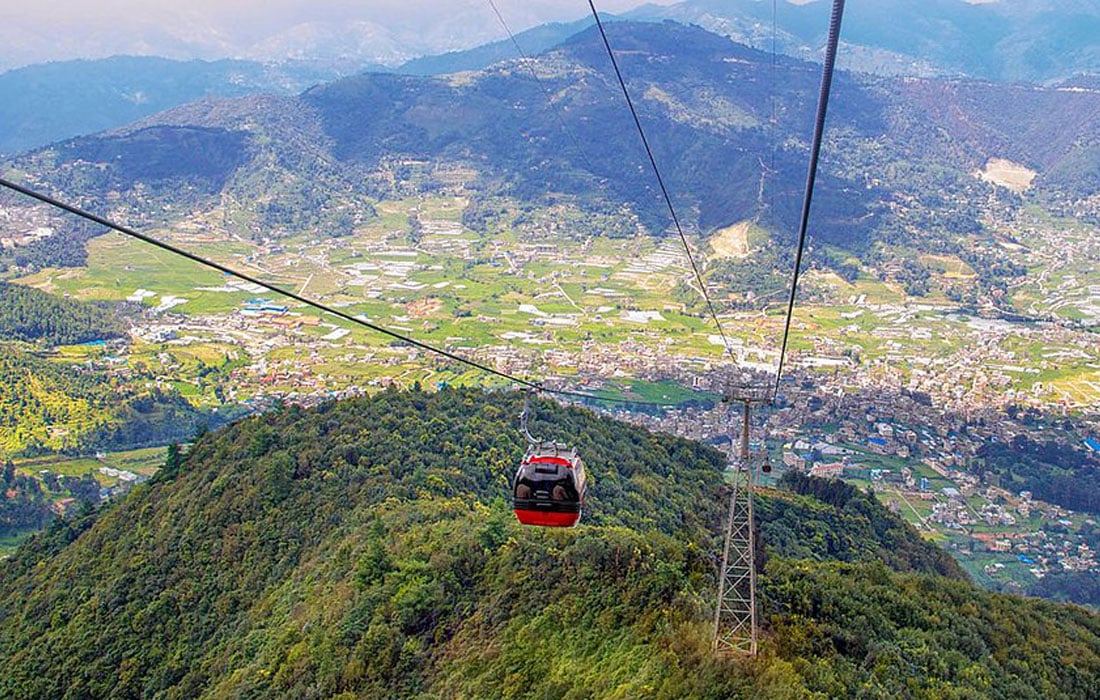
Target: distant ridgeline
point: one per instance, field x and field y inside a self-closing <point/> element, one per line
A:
<point x="728" y="124"/>
<point x="1041" y="42"/>
<point x="366" y="549"/>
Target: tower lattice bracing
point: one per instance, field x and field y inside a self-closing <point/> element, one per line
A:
<point x="735" y="621"/>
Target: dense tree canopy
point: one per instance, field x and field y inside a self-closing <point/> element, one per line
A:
<point x="365" y="549"/>
<point x="1052" y="470"/>
<point x="33" y="315"/>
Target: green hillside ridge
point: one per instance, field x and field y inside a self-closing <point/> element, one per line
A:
<point x="827" y="519"/>
<point x="32" y="315"/>
<point x="58" y="404"/>
<point x="45" y="405"/>
<point x="50" y="406"/>
<point x="365" y="549"/>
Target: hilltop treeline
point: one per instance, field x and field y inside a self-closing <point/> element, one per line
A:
<point x="1051" y="470"/>
<point x="47" y="405"/>
<point x="365" y="549"/>
<point x="32" y="315"/>
<point x="838" y="521"/>
<point x="65" y="248"/>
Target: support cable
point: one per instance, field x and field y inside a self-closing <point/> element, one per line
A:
<point x="95" y="218"/>
<point x="545" y="90"/>
<point x="660" y="180"/>
<point x="811" y="175"/>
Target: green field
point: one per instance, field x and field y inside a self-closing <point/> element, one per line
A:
<point x="118" y="266"/>
<point x="11" y="539"/>
<point x="666" y="393"/>
<point x="144" y="461"/>
<point x="580" y="288"/>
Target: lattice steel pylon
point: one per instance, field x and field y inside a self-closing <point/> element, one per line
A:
<point x="735" y="625"/>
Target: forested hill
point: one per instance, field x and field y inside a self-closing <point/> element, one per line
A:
<point x="55" y="407"/>
<point x="30" y="314"/>
<point x="70" y="406"/>
<point x="366" y="549"/>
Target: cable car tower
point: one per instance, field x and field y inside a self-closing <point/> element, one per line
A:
<point x="735" y="623"/>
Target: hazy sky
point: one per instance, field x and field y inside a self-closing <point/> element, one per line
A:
<point x="33" y="31"/>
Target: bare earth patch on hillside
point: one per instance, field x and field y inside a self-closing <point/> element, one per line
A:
<point x="950" y="266"/>
<point x="732" y="241"/>
<point x="1007" y="174"/>
<point x="423" y="308"/>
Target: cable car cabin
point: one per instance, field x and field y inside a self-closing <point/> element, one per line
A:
<point x="549" y="487"/>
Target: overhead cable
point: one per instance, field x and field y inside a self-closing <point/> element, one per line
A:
<point x="660" y="180"/>
<point x="811" y="176"/>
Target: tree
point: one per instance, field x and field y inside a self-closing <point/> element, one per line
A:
<point x="173" y="460"/>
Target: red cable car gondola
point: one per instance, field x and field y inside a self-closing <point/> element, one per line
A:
<point x="550" y="484"/>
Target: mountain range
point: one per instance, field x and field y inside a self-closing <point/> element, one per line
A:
<point x="88" y="96"/>
<point x="1041" y="41"/>
<point x="1037" y="41"/>
<point x="382" y="32"/>
<point x="1033" y="40"/>
<point x="729" y="126"/>
<point x="45" y="103"/>
<point x="1013" y="40"/>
